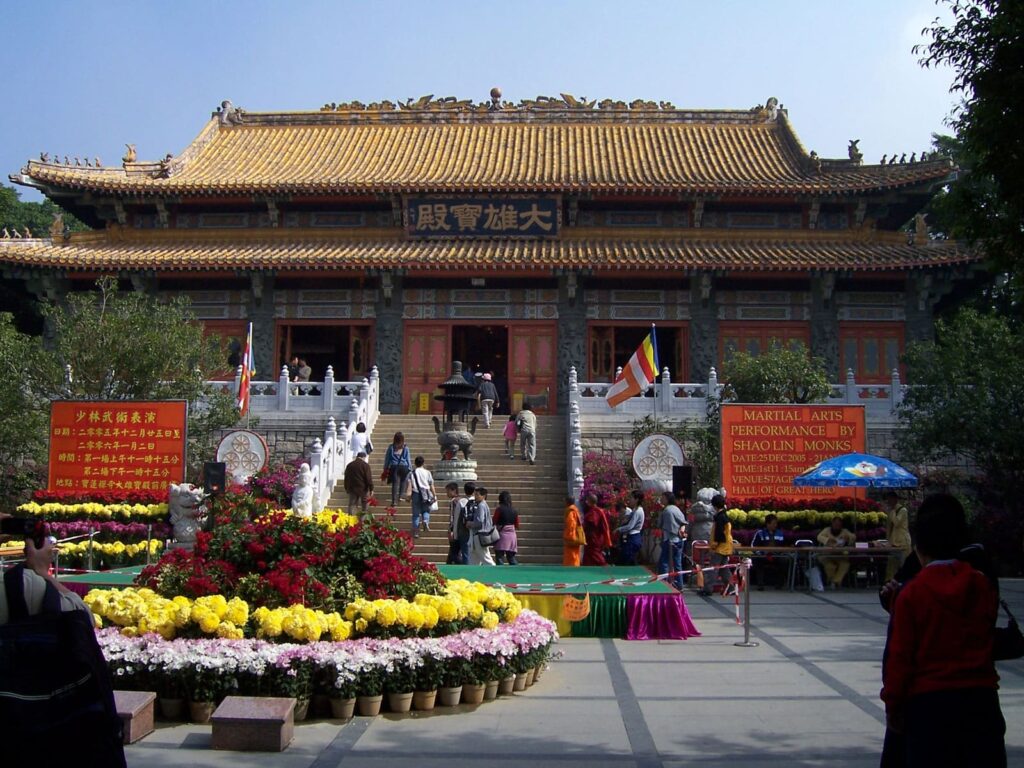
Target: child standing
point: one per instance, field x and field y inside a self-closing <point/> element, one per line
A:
<point x="511" y="434"/>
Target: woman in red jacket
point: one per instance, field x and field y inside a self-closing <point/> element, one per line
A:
<point x="940" y="685"/>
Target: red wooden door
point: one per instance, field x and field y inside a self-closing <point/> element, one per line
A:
<point x="533" y="365"/>
<point x="426" y="363"/>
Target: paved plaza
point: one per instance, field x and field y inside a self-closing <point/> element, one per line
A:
<point x="806" y="696"/>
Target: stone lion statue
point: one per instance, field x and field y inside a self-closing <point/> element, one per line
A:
<point x="187" y="512"/>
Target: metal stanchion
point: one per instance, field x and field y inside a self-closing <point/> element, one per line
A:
<point x="92" y="534"/>
<point x="744" y="576"/>
<point x="149" y="538"/>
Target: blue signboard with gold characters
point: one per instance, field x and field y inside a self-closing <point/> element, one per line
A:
<point x="482" y="216"/>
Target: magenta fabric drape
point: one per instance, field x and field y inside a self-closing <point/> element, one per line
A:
<point x="658" y="617"/>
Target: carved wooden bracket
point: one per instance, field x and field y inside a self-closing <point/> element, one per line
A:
<point x="162" y="214"/>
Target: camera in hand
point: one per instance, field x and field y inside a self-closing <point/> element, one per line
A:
<point x="26" y="527"/>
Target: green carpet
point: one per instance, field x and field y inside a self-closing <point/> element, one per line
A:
<point x="525" y="575"/>
<point x="117" y="577"/>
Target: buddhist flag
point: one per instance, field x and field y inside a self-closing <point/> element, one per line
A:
<point x="248" y="370"/>
<point x="640" y="371"/>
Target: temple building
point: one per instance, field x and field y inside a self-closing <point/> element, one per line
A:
<point x="520" y="238"/>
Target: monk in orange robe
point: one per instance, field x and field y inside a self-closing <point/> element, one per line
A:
<point x="572" y="534"/>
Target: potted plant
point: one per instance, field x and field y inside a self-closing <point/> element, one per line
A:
<point x="452" y="677"/>
<point x="369" y="691"/>
<point x="427" y="678"/>
<point x="400" y="684"/>
<point x="293" y="678"/>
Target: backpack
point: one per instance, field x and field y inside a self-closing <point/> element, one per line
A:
<point x="55" y="687"/>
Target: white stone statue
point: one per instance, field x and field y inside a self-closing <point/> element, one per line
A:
<point x="302" y="497"/>
<point x="185" y="505"/>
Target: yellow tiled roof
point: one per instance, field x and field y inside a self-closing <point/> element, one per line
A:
<point x="284" y="250"/>
<point x="331" y="153"/>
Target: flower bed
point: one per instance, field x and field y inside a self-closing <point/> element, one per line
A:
<point x="805" y="519"/>
<point x="108" y="554"/>
<point x="100" y="497"/>
<point x="209" y="669"/>
<point x="464" y="605"/>
<point x="111" y="531"/>
<point x="91" y="510"/>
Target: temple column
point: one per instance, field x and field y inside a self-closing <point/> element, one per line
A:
<point x="825" y="324"/>
<point x="264" y="325"/>
<point x="703" y="327"/>
<point x="923" y="292"/>
<point x="48" y="289"/>
<point x="572" y="335"/>
<point x="389" y="339"/>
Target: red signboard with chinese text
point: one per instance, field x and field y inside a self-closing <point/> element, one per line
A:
<point x="765" y="446"/>
<point x="123" y="445"/>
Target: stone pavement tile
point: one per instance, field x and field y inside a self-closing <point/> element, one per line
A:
<point x="781" y="679"/>
<point x="523" y="723"/>
<point x="189" y="744"/>
<point x="768" y="728"/>
<point x="552" y="759"/>
<point x="835" y="646"/>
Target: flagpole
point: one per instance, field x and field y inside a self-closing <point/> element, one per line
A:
<point x="654" y="343"/>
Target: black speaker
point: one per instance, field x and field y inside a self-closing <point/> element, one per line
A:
<point x="214" y="475"/>
<point x="682" y="482"/>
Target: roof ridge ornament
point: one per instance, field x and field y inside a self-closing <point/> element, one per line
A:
<point x="228" y="114"/>
<point x="856" y="156"/>
<point x="129" y="155"/>
<point x="769" y="111"/>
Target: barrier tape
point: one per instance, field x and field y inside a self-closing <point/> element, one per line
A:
<point x="624" y="582"/>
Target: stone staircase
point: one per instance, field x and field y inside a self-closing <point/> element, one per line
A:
<point x="538" y="491"/>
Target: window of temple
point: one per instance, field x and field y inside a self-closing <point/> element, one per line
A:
<point x="232" y="336"/>
<point x="611" y="346"/>
<point x="870" y="350"/>
<point x="755" y="338"/>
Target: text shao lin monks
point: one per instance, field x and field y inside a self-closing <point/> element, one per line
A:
<point x="765" y="446"/>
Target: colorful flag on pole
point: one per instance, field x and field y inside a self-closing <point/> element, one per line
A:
<point x="248" y="371"/>
<point x="640" y="371"/>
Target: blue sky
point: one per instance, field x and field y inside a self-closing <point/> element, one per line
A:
<point x="84" y="78"/>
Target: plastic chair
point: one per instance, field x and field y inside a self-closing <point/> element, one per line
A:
<point x="800" y="568"/>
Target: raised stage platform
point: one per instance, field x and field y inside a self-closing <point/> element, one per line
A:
<point x="624" y="602"/>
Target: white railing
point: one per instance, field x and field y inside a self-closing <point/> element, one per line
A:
<point x="689" y="401"/>
<point x="666" y="398"/>
<point x="282" y="395"/>
<point x="329" y="457"/>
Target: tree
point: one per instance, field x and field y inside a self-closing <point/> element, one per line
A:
<point x="779" y="375"/>
<point x="985" y="48"/>
<point x="24" y="415"/>
<point x="31" y="218"/>
<point x="131" y="346"/>
<point x="967" y="398"/>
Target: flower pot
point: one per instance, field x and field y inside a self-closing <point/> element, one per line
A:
<point x="472" y="693"/>
<point x="172" y="709"/>
<point x="491" y="690"/>
<point x="520" y="683"/>
<point x="424" y="700"/>
<point x="449" y="696"/>
<point x="400" y="702"/>
<point x="538" y="671"/>
<point x="301" y="710"/>
<point x="530" y="677"/>
<point x="342" y="709"/>
<point x="201" y="711"/>
<point x="506" y="684"/>
<point x="369" y="706"/>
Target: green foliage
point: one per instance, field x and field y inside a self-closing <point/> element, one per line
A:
<point x="24" y="414"/>
<point x="967" y="397"/>
<point x="130" y="346"/>
<point x="778" y="375"/>
<point x="34" y="218"/>
<point x="984" y="46"/>
<point x="701" y="443"/>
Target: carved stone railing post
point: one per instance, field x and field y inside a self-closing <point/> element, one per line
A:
<point x="577" y="469"/>
<point x="373" y="405"/>
<point x="851" y="387"/>
<point x="330" y="447"/>
<point x="896" y="393"/>
<point x="283" y="390"/>
<point x="238" y="381"/>
<point x="317" y="469"/>
<point x="665" y="392"/>
<point x="328" y="391"/>
<point x="712" y="393"/>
